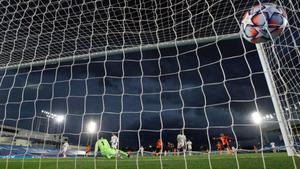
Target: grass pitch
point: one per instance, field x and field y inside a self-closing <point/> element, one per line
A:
<point x="245" y="161"/>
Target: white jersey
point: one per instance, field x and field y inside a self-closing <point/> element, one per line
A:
<point x="189" y="145"/>
<point x="272" y="145"/>
<point x="181" y="138"/>
<point x="181" y="141"/>
<point x="65" y="146"/>
<point x="142" y="151"/>
<point x="114" y="140"/>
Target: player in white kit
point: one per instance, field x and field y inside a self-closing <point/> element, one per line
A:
<point x="65" y="149"/>
<point x="142" y="151"/>
<point x="181" y="143"/>
<point x="189" y="145"/>
<point x="114" y="140"/>
<point x="273" y="147"/>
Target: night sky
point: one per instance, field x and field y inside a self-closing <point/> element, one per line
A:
<point x="123" y="94"/>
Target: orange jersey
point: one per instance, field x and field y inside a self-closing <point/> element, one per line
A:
<point x="224" y="140"/>
<point x="88" y="149"/>
<point x="158" y="144"/>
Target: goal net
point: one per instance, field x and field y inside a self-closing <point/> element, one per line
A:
<point x="75" y="71"/>
<point x="282" y="58"/>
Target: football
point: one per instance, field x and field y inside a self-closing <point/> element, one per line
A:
<point x="263" y="23"/>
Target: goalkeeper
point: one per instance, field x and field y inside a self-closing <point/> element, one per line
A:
<point x="106" y="150"/>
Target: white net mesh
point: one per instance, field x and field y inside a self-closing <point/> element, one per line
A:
<point x="43" y="30"/>
<point x="283" y="58"/>
<point x="79" y="70"/>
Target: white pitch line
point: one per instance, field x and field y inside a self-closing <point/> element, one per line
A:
<point x="51" y="160"/>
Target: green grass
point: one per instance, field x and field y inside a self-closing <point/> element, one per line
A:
<point x="245" y="161"/>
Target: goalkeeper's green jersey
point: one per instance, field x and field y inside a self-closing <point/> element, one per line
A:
<point x="103" y="145"/>
<point x="106" y="150"/>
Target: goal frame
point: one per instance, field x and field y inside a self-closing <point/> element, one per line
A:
<point x="283" y="125"/>
<point x="260" y="50"/>
<point x="121" y="50"/>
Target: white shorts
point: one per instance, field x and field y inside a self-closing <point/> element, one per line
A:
<point x="181" y="145"/>
<point x="64" y="150"/>
<point x="114" y="145"/>
<point x="189" y="148"/>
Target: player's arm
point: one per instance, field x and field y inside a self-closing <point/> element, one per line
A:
<point x="216" y="138"/>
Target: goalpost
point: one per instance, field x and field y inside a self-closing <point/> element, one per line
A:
<point x="286" y="133"/>
<point x="144" y="70"/>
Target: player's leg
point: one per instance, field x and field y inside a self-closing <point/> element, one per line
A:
<point x="64" y="153"/>
<point x="274" y="150"/>
<point x="184" y="149"/>
<point x="114" y="145"/>
<point x="107" y="155"/>
<point x="157" y="150"/>
<point x="190" y="151"/>
<point x="228" y="148"/>
<point x="122" y="153"/>
<point x="178" y="148"/>
<point x="220" y="150"/>
<point x="115" y="153"/>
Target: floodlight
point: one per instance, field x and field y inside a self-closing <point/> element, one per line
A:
<point x="59" y="118"/>
<point x="256" y="118"/>
<point x="91" y="127"/>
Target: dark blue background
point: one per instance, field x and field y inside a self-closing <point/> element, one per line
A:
<point x="139" y="95"/>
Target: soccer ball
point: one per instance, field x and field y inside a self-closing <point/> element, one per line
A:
<point x="263" y="23"/>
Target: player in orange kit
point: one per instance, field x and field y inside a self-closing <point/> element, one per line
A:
<point x="158" y="146"/>
<point x="87" y="150"/>
<point x="225" y="142"/>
